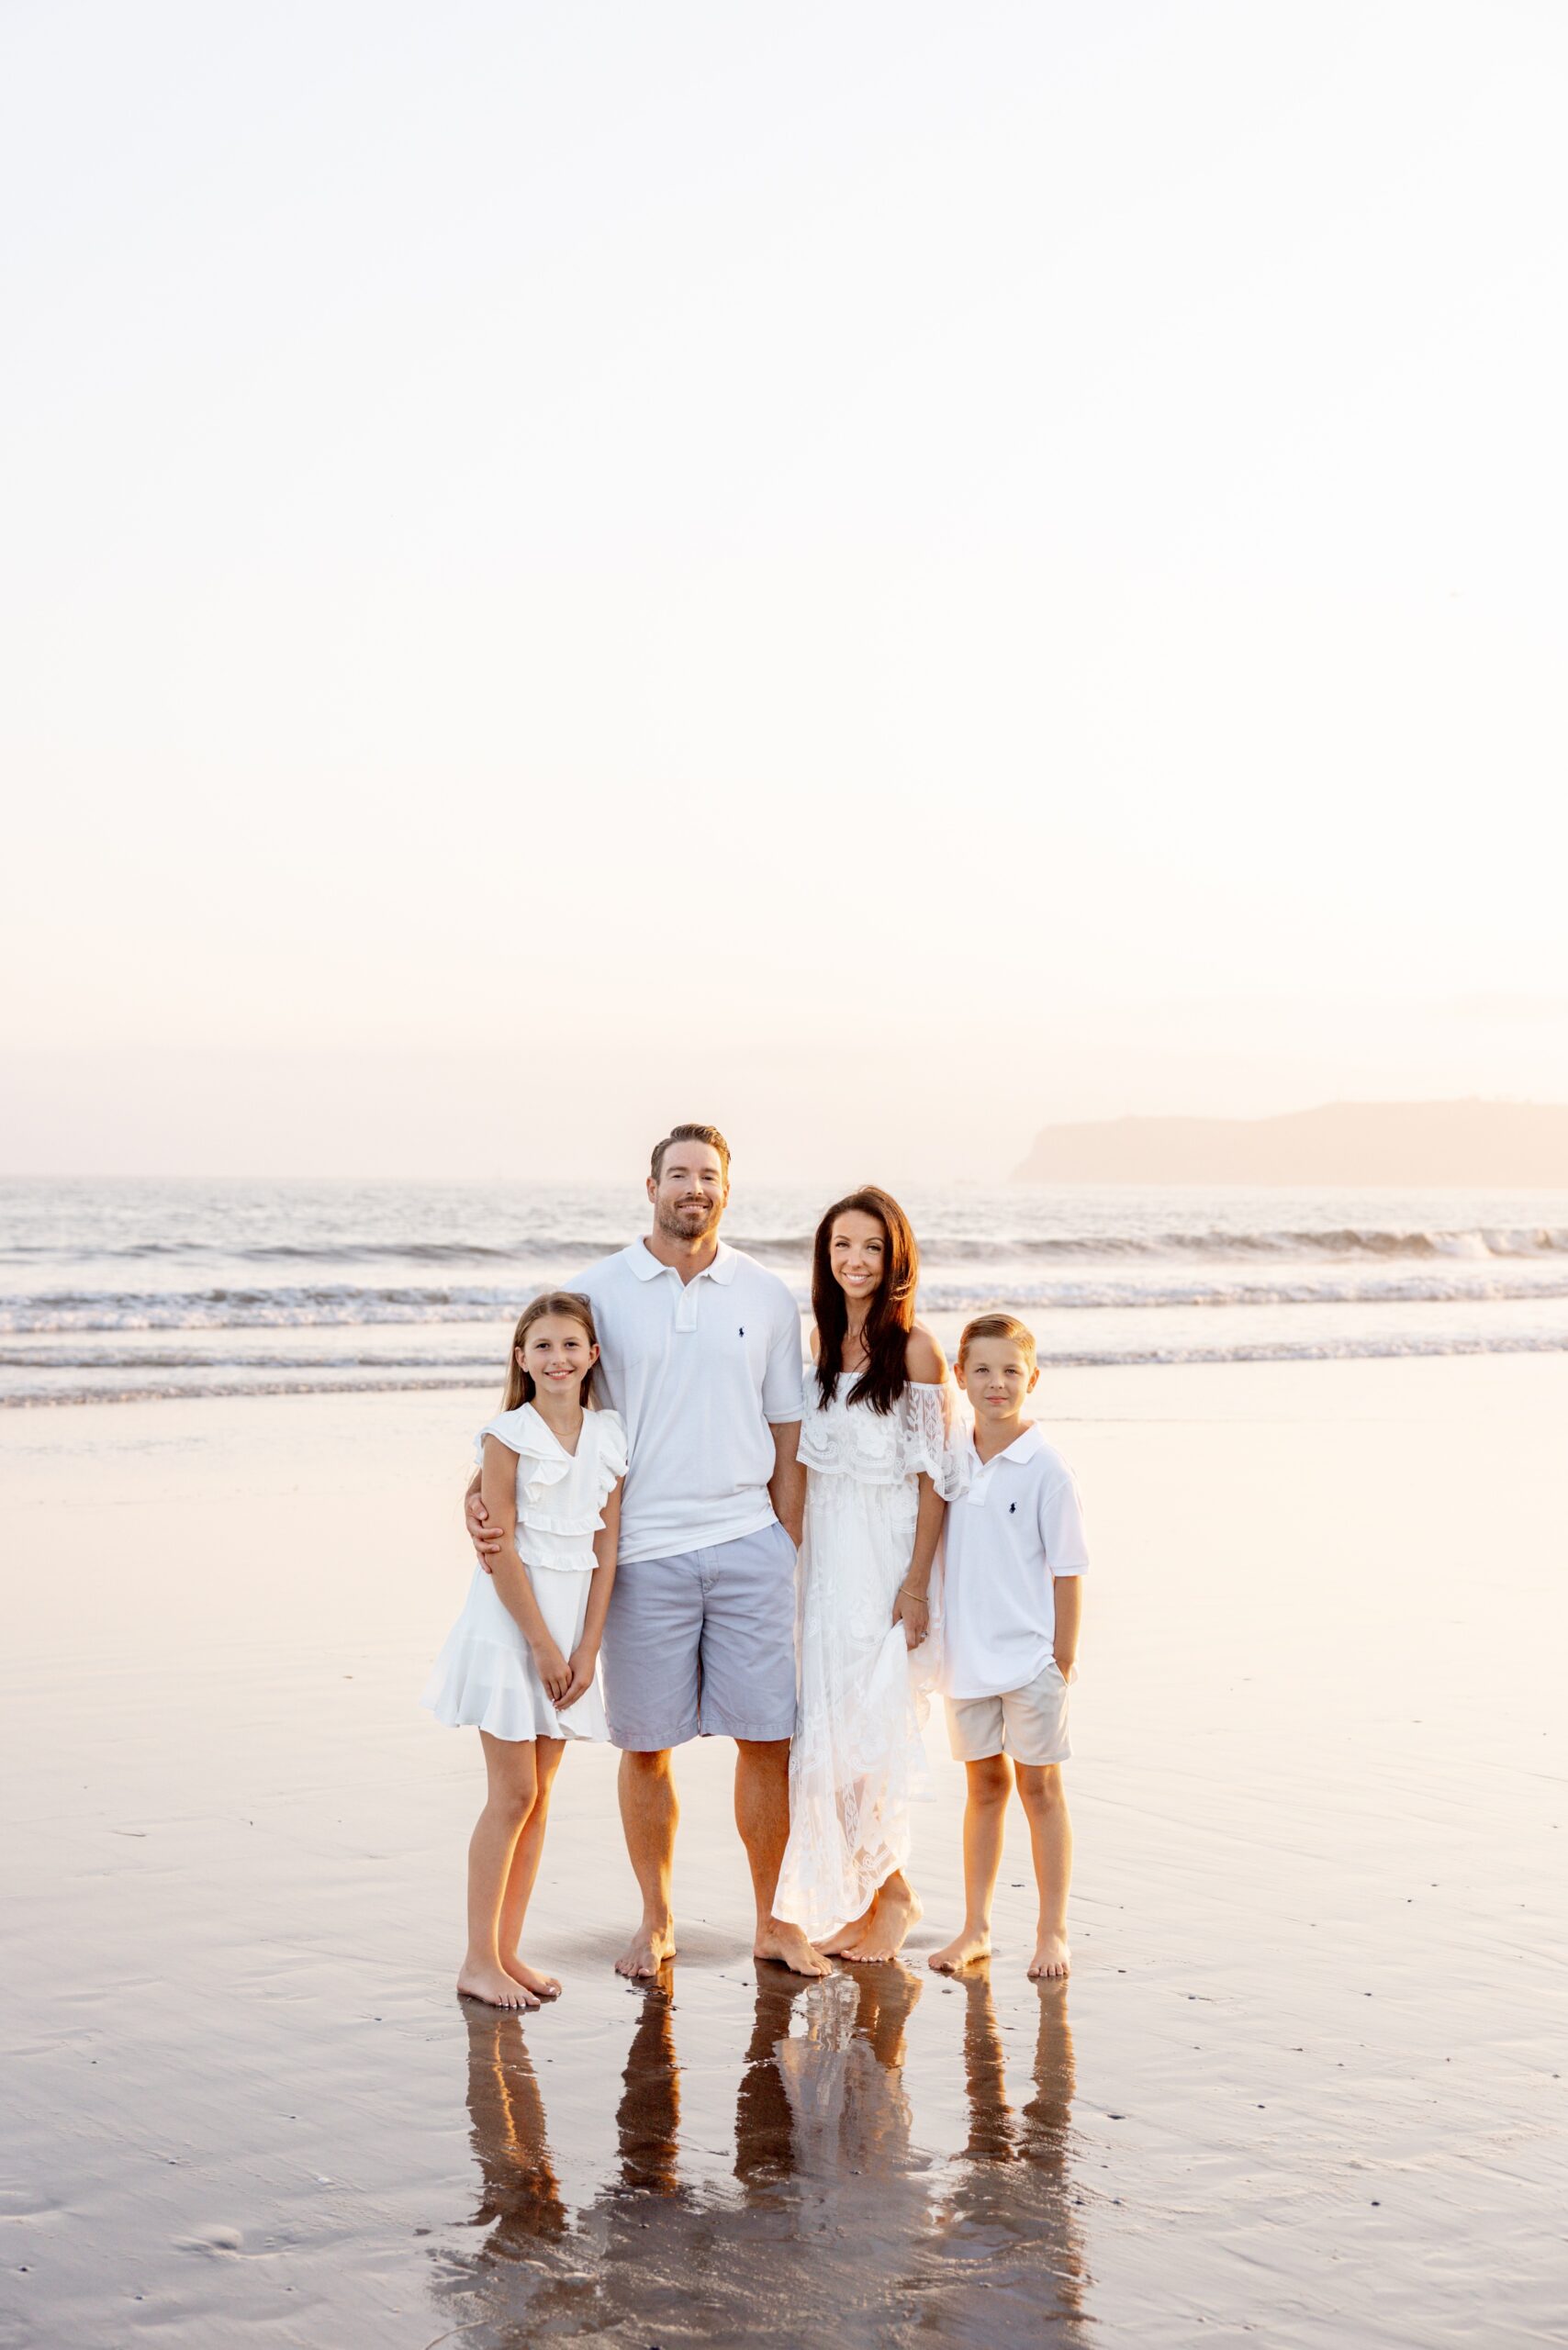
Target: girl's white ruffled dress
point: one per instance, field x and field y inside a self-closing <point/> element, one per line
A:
<point x="858" y="1756"/>
<point x="486" y="1675"/>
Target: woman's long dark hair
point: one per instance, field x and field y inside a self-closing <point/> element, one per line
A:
<point x="890" y="1318"/>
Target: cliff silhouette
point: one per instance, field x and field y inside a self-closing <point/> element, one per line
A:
<point x="1473" y="1144"/>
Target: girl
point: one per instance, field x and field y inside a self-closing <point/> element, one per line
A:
<point x="874" y="1438"/>
<point x="521" y="1659"/>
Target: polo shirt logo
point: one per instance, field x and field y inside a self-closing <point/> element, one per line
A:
<point x="743" y="1330"/>
<point x="1011" y="1508"/>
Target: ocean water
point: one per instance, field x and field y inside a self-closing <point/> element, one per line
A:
<point x="133" y="1289"/>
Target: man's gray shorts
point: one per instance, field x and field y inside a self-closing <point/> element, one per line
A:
<point x="703" y="1644"/>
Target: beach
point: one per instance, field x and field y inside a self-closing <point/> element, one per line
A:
<point x="1304" y="2086"/>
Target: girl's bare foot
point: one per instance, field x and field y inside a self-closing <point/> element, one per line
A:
<point x="1052" y="1958"/>
<point x="646" y="1952"/>
<point x="543" y="1987"/>
<point x="892" y="1915"/>
<point x="494" y="1986"/>
<point x="961" y="1951"/>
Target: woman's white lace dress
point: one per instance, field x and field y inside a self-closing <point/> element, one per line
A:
<point x="858" y="1757"/>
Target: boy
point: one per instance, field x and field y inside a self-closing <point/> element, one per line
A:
<point x="1011" y="1601"/>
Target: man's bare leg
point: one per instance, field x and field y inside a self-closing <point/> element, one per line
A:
<point x="762" y="1814"/>
<point x="649" y="1816"/>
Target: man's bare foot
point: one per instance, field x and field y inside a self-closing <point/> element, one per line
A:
<point x="646" y="1952"/>
<point x="494" y="1986"/>
<point x="1052" y="1958"/>
<point x="961" y="1951"/>
<point x="835" y="1946"/>
<point x="543" y="1987"/>
<point x="892" y="1915"/>
<point x="787" y="1946"/>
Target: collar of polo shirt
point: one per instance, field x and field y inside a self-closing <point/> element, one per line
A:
<point x="647" y="1266"/>
<point x="1022" y="1448"/>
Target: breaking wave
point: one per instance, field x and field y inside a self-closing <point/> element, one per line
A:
<point x="93" y="1383"/>
<point x="345" y="1305"/>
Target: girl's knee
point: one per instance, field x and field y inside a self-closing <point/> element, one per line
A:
<point x="514" y="1791"/>
<point x="512" y="1805"/>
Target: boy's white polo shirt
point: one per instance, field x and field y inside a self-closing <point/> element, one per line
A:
<point x="699" y="1372"/>
<point x="1018" y="1526"/>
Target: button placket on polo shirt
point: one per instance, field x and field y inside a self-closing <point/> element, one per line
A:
<point x="979" y="1483"/>
<point x="686" y="1308"/>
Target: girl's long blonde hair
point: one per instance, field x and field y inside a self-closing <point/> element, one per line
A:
<point x="572" y="1307"/>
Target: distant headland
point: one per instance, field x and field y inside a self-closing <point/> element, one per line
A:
<point x="1473" y="1144"/>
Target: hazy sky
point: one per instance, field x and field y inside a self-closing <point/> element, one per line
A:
<point x="880" y="572"/>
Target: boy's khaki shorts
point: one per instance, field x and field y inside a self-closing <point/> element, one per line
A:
<point x="1029" y="1724"/>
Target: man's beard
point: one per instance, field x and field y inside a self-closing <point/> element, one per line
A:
<point x="690" y="1222"/>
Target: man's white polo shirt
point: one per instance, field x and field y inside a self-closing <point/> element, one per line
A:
<point x="698" y="1370"/>
<point x="1018" y="1526"/>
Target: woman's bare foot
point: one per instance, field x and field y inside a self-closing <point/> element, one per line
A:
<point x="961" y="1951"/>
<point x="1052" y="1958"/>
<point x="494" y="1986"/>
<point x="543" y="1987"/>
<point x="835" y="1946"/>
<point x="892" y="1915"/>
<point x="787" y="1946"/>
<point x="646" y="1952"/>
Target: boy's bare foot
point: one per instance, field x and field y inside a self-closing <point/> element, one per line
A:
<point x="1052" y="1958"/>
<point x="787" y="1946"/>
<point x="646" y="1952"/>
<point x="892" y="1915"/>
<point x="543" y="1987"/>
<point x="961" y="1951"/>
<point x="494" y="1986"/>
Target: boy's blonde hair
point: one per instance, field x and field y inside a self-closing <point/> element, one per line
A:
<point x="998" y="1326"/>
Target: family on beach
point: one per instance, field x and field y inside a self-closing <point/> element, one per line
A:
<point x="660" y="1458"/>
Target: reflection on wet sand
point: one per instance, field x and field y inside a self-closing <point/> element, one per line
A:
<point x="842" y="2231"/>
<point x="519" y="2201"/>
<point x="844" y="2078"/>
<point x="1008" y="2257"/>
<point x="765" y="2119"/>
<point x="647" y="2120"/>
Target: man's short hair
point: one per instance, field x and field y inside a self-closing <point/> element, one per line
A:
<point x="709" y="1134"/>
<point x="998" y="1326"/>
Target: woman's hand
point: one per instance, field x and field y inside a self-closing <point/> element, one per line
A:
<point x="553" y="1671"/>
<point x="912" y="1610"/>
<point x="583" y="1665"/>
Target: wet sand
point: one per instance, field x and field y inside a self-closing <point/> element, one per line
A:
<point x="1305" y="2087"/>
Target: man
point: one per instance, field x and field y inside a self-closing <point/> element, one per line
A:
<point x="700" y="1355"/>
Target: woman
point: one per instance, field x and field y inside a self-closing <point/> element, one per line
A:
<point x="874" y="1439"/>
